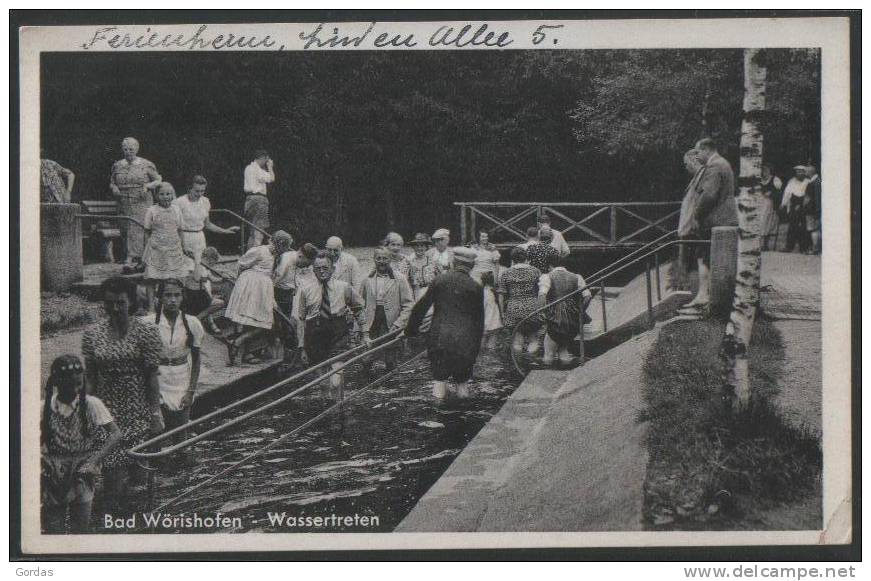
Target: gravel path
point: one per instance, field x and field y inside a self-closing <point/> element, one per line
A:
<point x="800" y="397"/>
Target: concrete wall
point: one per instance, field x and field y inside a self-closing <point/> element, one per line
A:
<point x="724" y="264"/>
<point x="60" y="239"/>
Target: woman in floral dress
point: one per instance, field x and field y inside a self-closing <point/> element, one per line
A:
<point x="131" y="183"/>
<point x="121" y="356"/>
<point x="518" y="287"/>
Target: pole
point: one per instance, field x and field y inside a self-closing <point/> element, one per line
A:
<point x="580" y="299"/>
<point x="649" y="293"/>
<point x="613" y="224"/>
<point x="604" y="308"/>
<point x="462" y="224"/>
<point x="658" y="285"/>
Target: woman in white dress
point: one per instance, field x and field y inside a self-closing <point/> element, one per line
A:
<point x="253" y="298"/>
<point x="486" y="272"/>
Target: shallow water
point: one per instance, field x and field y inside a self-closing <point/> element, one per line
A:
<point x="374" y="459"/>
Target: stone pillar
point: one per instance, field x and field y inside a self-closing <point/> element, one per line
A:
<point x="60" y="239"/>
<point x="724" y="264"/>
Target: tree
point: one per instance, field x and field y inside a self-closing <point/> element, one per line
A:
<point x="736" y="341"/>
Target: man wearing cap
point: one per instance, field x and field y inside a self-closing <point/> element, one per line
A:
<point x="441" y="253"/>
<point x="257" y="175"/>
<point x="715" y="206"/>
<point x="388" y="301"/>
<point x="557" y="239"/>
<point x="346" y="266"/>
<point x="457" y="324"/>
<point x="812" y="207"/>
<point x="793" y="205"/>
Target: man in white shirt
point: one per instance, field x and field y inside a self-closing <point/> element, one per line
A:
<point x="347" y="267"/>
<point x="557" y="239"/>
<point x="257" y="175"/>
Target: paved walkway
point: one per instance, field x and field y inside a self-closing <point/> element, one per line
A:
<point x="791" y="286"/>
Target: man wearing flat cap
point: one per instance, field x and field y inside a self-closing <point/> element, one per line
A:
<point x="457" y="324"/>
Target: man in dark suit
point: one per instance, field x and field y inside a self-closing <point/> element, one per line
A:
<point x="457" y="324"/>
<point x="715" y="206"/>
<point x="812" y="207"/>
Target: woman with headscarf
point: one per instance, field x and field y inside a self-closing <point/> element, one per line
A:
<point x="131" y="183"/>
<point x="252" y="302"/>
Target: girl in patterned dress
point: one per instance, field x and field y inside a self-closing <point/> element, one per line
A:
<point x="72" y="447"/>
<point x="518" y="287"/>
<point x="164" y="256"/>
<point x="121" y="356"/>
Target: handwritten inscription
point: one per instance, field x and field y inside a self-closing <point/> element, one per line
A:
<point x="315" y="37"/>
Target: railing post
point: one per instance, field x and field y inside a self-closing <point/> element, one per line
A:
<point x="656" y="270"/>
<point x="649" y="293"/>
<point x="613" y="224"/>
<point x="604" y="308"/>
<point x="581" y="331"/>
<point x="473" y="227"/>
<point x="462" y="224"/>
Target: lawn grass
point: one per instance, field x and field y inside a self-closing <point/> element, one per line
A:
<point x="66" y="312"/>
<point x="707" y="469"/>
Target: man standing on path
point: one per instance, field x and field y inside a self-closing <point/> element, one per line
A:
<point x="257" y="175"/>
<point x="715" y="206"/>
<point x="457" y="324"/>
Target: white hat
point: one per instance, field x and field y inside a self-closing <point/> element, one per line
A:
<point x="465" y="255"/>
<point x="441" y="233"/>
<point x="801" y="167"/>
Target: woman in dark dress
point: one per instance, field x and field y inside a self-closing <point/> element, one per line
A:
<point x="457" y="324"/>
<point x="121" y="356"/>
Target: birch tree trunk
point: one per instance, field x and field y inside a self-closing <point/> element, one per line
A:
<point x="736" y="342"/>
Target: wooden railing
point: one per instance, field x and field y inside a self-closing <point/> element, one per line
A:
<point x="583" y="224"/>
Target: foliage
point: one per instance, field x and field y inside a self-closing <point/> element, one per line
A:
<point x="397" y="137"/>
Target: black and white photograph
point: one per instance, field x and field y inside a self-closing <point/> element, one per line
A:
<point x="300" y="283"/>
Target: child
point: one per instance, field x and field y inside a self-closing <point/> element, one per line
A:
<point x="181" y="335"/>
<point x="71" y="449"/>
<point x="163" y="256"/>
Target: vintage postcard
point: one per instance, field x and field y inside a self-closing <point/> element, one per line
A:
<point x="435" y="285"/>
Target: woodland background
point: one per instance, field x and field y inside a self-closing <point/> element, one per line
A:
<point x="366" y="142"/>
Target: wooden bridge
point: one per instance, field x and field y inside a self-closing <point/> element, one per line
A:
<point x="585" y="225"/>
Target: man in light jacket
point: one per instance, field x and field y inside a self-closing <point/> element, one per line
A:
<point x="388" y="300"/>
<point x="715" y="206"/>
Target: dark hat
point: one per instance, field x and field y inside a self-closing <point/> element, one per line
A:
<point x="420" y="238"/>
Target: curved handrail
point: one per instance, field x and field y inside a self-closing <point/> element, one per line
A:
<point x="596" y="279"/>
<point x="241" y="219"/>
<point x="137" y="451"/>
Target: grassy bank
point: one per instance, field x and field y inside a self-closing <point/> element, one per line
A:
<point x="709" y="471"/>
<point x="66" y="312"/>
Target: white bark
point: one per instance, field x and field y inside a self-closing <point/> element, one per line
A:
<point x="736" y="342"/>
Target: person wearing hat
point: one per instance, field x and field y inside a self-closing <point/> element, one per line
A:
<point x="257" y="175"/>
<point x="715" y="206"/>
<point x="441" y="252"/>
<point x="457" y="327"/>
<point x="423" y="269"/>
<point x="346" y="266"/>
<point x="793" y="205"/>
<point x="388" y="300"/>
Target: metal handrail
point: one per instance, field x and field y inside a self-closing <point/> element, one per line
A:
<point x="241" y="219"/>
<point x="594" y="280"/>
<point x="137" y="451"/>
<point x="569" y="204"/>
<point x="650" y="244"/>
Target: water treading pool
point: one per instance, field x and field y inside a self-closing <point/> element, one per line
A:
<point x="367" y="465"/>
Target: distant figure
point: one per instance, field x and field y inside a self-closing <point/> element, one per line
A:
<point x="257" y="175"/>
<point x="540" y="252"/>
<point x="793" y="205"/>
<point x="77" y="432"/>
<point x="715" y="206"/>
<point x="325" y="305"/>
<point x="304" y="274"/>
<point x="388" y="299"/>
<point x="769" y="221"/>
<point x="518" y="288"/>
<point x="813" y="207"/>
<point x="457" y="324"/>
<point x="131" y="183"/>
<point x="195" y="208"/>
<point x="423" y="267"/>
<point x="56" y="182"/>
<point x="442" y="252"/>
<point x="347" y="267"/>
<point x="284" y="280"/>
<point x="563" y="320"/>
<point x="164" y="256"/>
<point x="398" y="262"/>
<point x="182" y="338"/>
<point x="557" y="239"/>
<point x="486" y="273"/>
<point x="531" y="237"/>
